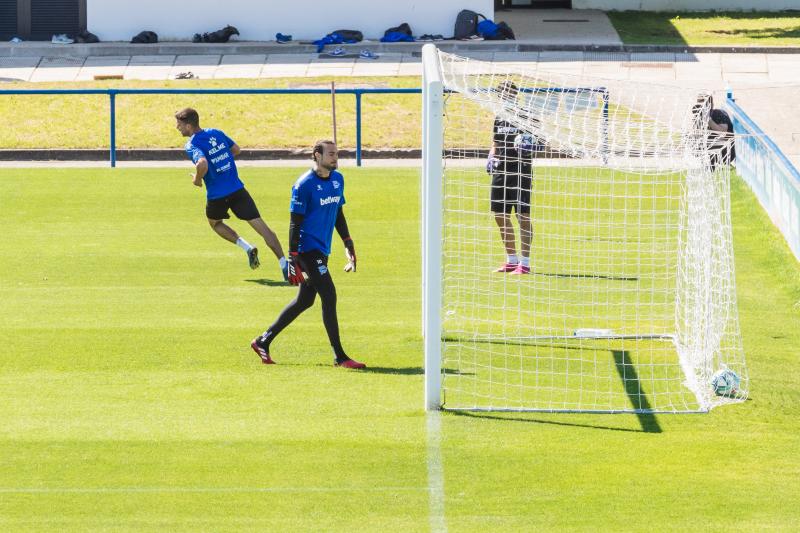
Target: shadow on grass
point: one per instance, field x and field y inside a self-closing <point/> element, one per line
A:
<point x="635" y="27"/>
<point x="405" y="371"/>
<point x="633" y="388"/>
<point x="269" y="282"/>
<point x="410" y="371"/>
<point x="498" y="418"/>
<point x="587" y="276"/>
<point x="761" y="33"/>
<point x="525" y="342"/>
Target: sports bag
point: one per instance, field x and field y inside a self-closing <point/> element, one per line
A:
<point x="402" y="28"/>
<point x="492" y="31"/>
<point x="489" y="30"/>
<point x="351" y="36"/>
<point x="466" y="24"/>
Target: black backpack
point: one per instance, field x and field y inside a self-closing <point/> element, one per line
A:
<point x="145" y="37"/>
<point x="220" y="36"/>
<point x="351" y="35"/>
<point x="402" y="28"/>
<point x="86" y="37"/>
<point x="466" y="24"/>
<point x="506" y="31"/>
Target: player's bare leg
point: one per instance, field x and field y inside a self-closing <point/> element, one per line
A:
<point x="272" y="241"/>
<point x="509" y="241"/>
<point x="268" y="235"/>
<point x="223" y="230"/>
<point x="525" y="234"/>
<point x="228" y="233"/>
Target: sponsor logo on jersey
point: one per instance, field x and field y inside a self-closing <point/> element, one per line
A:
<point x="221" y="157"/>
<point x="216" y="148"/>
<point x="330" y="200"/>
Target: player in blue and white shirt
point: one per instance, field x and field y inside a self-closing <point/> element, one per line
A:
<point x="316" y="209"/>
<point x="213" y="154"/>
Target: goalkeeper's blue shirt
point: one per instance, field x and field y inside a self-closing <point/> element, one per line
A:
<point x="222" y="178"/>
<point x="318" y="200"/>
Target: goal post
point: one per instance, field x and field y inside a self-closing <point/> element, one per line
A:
<point x="432" y="135"/>
<point x="613" y="199"/>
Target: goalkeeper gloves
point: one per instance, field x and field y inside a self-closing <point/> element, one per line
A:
<point x="492" y="164"/>
<point x="350" y="252"/>
<point x="294" y="269"/>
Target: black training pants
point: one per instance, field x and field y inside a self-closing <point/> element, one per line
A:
<point x="315" y="265"/>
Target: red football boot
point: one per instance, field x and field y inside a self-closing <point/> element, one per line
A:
<point x="262" y="353"/>
<point x="349" y="363"/>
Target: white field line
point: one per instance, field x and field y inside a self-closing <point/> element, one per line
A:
<point x="435" y="472"/>
<point x="156" y="490"/>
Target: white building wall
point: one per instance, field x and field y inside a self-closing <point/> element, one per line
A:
<point x="687" y="5"/>
<point x="260" y="20"/>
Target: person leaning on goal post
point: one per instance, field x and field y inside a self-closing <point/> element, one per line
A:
<point x="510" y="165"/>
<point x="316" y="209"/>
<point x="721" y="146"/>
<point x="213" y="153"/>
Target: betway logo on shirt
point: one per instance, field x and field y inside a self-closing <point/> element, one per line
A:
<point x="330" y="200"/>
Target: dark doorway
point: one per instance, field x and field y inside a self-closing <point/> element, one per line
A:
<point x="8" y="19"/>
<point x="39" y="20"/>
<point x="50" y="17"/>
<point x="532" y="4"/>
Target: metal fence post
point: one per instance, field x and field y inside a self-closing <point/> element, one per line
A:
<point x="112" y="95"/>
<point x="358" y="128"/>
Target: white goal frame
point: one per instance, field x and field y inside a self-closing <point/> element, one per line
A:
<point x="432" y="234"/>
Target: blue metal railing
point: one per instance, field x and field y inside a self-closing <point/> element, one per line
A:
<point x="112" y="95"/>
<point x="769" y="173"/>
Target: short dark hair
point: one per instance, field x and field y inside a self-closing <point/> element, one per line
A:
<point x="189" y="116"/>
<point x="319" y="146"/>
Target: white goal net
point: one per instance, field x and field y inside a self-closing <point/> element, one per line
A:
<point x="605" y="206"/>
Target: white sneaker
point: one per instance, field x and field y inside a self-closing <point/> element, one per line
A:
<point x="61" y="38"/>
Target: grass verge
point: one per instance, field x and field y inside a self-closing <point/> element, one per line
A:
<point x="689" y="28"/>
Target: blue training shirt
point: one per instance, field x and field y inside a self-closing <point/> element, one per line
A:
<point x="222" y="177"/>
<point x="318" y="200"/>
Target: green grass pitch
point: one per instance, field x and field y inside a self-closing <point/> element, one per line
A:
<point x="131" y="401"/>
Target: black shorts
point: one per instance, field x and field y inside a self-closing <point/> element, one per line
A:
<point x="240" y="202"/>
<point x="511" y="188"/>
<point x="315" y="265"/>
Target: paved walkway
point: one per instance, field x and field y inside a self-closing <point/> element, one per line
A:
<point x="705" y="69"/>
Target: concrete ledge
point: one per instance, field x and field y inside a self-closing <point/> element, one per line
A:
<point x="45" y="49"/>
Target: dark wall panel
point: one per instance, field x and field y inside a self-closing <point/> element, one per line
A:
<point x="8" y="19"/>
<point x="54" y="16"/>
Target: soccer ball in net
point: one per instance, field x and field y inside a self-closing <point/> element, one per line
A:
<point x="526" y="144"/>
<point x="725" y="382"/>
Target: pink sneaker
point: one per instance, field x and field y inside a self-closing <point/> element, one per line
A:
<point x="521" y="269"/>
<point x="507" y="267"/>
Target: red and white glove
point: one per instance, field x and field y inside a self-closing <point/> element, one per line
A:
<point x="350" y="252"/>
<point x="294" y="269"/>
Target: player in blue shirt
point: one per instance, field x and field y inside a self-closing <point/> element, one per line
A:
<point x="213" y="154"/>
<point x="316" y="209"/>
